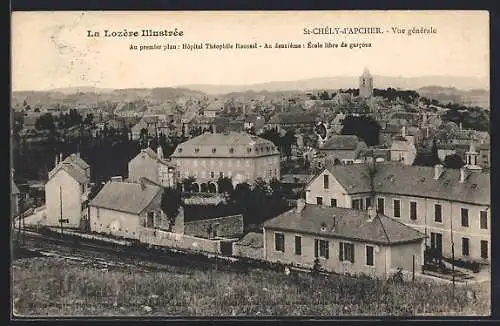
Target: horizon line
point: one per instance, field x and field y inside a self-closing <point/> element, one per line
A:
<point x="258" y="83"/>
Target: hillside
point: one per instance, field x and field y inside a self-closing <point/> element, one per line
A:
<point x="93" y="96"/>
<point x="465" y="83"/>
<point x="473" y="97"/>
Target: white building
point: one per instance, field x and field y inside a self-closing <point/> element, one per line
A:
<point x="66" y="192"/>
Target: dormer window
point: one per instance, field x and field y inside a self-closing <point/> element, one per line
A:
<point x="180" y="150"/>
<point x="231" y="150"/>
<point x="249" y="150"/>
<point x="214" y="150"/>
<point x="196" y="150"/>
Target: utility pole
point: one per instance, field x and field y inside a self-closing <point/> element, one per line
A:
<point x="452" y="256"/>
<point x="61" y="209"/>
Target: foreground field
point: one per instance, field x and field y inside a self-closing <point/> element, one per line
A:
<point x="54" y="287"/>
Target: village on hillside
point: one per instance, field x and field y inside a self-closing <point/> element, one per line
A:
<point x="366" y="183"/>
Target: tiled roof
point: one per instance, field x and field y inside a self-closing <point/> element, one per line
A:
<point x="75" y="171"/>
<point x="252" y="239"/>
<point x="293" y="118"/>
<point x="233" y="144"/>
<point x="341" y="142"/>
<point x="394" y="178"/>
<point x="77" y="160"/>
<point x="344" y="223"/>
<point x="296" y="178"/>
<point x="126" y="197"/>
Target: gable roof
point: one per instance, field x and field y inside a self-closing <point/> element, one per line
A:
<point x="418" y="181"/>
<point x="77" y="160"/>
<point x="341" y="142"/>
<point x="126" y="196"/>
<point x="344" y="223"/>
<point x="75" y="171"/>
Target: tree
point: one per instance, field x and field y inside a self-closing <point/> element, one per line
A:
<point x="287" y="141"/>
<point x="170" y="203"/>
<point x="45" y="122"/>
<point x="366" y="128"/>
<point x="225" y="185"/>
<point x="188" y="183"/>
<point x="434" y="154"/>
<point x="453" y="161"/>
<point x="95" y="190"/>
<point x="324" y="96"/>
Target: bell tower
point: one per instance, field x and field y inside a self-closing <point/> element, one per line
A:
<point x="366" y="84"/>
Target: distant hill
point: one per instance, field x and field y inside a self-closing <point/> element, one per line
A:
<point x="464" y="83"/>
<point x="473" y="97"/>
<point x="91" y="95"/>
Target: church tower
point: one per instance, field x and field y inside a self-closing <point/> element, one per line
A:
<point x="366" y="84"/>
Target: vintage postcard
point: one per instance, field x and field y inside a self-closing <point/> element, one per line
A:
<point x="250" y="164"/>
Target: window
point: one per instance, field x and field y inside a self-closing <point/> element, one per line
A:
<point x="298" y="245"/>
<point x="212" y="174"/>
<point x="333" y="202"/>
<point x="321" y="248"/>
<point x="369" y="255"/>
<point x="279" y="242"/>
<point x="214" y="150"/>
<point x="465" y="217"/>
<point x="484" y="249"/>
<point x="231" y="150"/>
<point x="483" y="220"/>
<point x="249" y="150"/>
<point x="397" y="208"/>
<point x="325" y="181"/>
<point x="437" y="241"/>
<point x="381" y="205"/>
<point x="465" y="246"/>
<point x="150" y="220"/>
<point x="221" y="175"/>
<point x="356" y="203"/>
<point x="368" y="202"/>
<point x="319" y="200"/>
<point x="196" y="150"/>
<point x="413" y="210"/>
<point x="437" y="213"/>
<point x="180" y="150"/>
<point x="346" y="252"/>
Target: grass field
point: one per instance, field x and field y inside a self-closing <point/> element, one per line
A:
<point x="51" y="287"/>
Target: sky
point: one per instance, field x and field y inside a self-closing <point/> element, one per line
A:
<point x="52" y="49"/>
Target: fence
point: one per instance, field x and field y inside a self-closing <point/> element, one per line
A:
<point x="162" y="238"/>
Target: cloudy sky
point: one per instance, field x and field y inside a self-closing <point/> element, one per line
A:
<point x="52" y="50"/>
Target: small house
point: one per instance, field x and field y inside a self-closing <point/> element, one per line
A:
<point x="342" y="240"/>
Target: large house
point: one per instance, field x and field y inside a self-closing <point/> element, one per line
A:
<point x="66" y="192"/>
<point x="296" y="121"/>
<point x="343" y="148"/>
<point x="153" y="125"/>
<point x="344" y="241"/>
<point x="445" y="204"/>
<point x="239" y="156"/>
<point x="153" y="166"/>
<point x="125" y="208"/>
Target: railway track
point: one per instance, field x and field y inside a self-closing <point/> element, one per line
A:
<point x="109" y="255"/>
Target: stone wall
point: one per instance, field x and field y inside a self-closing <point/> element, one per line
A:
<point x="225" y="227"/>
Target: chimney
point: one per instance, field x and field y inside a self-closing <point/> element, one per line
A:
<point x="463" y="175"/>
<point x="60" y="157"/>
<point x="159" y="152"/>
<point x="372" y="213"/>
<point x="460" y="126"/>
<point x="438" y="170"/>
<point x="301" y="204"/>
<point x="118" y="178"/>
<point x="334" y="222"/>
<point x="403" y="132"/>
<point x="57" y="160"/>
